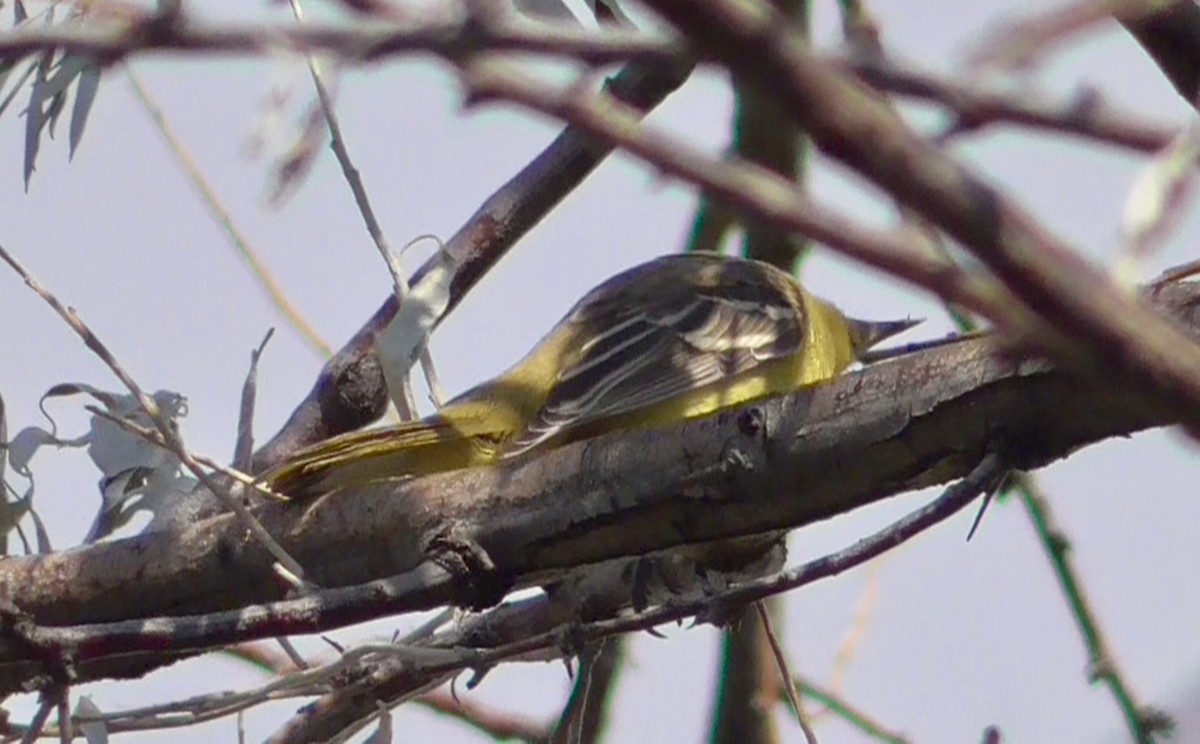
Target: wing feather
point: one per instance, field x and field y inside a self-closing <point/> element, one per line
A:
<point x="649" y="351"/>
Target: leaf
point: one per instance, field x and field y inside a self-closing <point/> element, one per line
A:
<point x="400" y="343"/>
<point x="66" y="72"/>
<point x="43" y="537"/>
<point x="546" y="10"/>
<point x="12" y="94"/>
<point x="11" y="514"/>
<point x="3" y="440"/>
<point x="25" y="445"/>
<point x="1156" y="201"/>
<point x="85" y="96"/>
<point x="383" y="733"/>
<point x="35" y="114"/>
<point x="57" y="104"/>
<point x="96" y="732"/>
<point x="115" y="450"/>
<point x="297" y="162"/>
<point x="65" y="389"/>
<point x="609" y="12"/>
<point x="7" y="65"/>
<point x="137" y="474"/>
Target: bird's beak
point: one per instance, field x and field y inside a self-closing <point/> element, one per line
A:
<point x="865" y="334"/>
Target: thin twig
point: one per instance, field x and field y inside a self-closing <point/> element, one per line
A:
<point x="38" y="723"/>
<point x="165" y="430"/>
<point x="349" y="393"/>
<point x="243" y="450"/>
<point x="1083" y="320"/>
<point x="404" y="402"/>
<point x="863" y="612"/>
<point x="66" y="731"/>
<point x="856" y="717"/>
<point x="249" y="255"/>
<point x="748" y="188"/>
<point x="976" y="103"/>
<point x="449" y="37"/>
<point x="152" y="436"/>
<point x="1144" y="723"/>
<point x="499" y="725"/>
<point x="1023" y="43"/>
<point x="789" y="687"/>
<point x="429" y="662"/>
<point x="327" y="714"/>
<point x="293" y="655"/>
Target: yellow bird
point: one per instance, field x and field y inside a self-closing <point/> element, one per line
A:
<point x="677" y="338"/>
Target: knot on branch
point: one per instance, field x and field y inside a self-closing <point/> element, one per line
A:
<point x="480" y="584"/>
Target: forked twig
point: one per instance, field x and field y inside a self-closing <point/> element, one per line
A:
<point x="168" y="434"/>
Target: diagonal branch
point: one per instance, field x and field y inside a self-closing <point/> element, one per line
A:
<point x="1099" y="329"/>
<point x="350" y="391"/>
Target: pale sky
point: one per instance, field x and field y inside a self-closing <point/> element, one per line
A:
<point x="958" y="636"/>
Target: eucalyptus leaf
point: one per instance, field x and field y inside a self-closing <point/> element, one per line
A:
<point x="3" y="442"/>
<point x="35" y="114"/>
<point x="11" y="514"/>
<point x="12" y="94"/>
<point x="546" y="10"/>
<point x="43" y="537"/>
<point x="96" y="732"/>
<point x="7" y="65"/>
<point x="85" y="96"/>
<point x="53" y="111"/>
<point x="609" y="12"/>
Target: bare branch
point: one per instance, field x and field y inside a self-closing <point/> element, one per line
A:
<point x="170" y="437"/>
<point x="978" y="105"/>
<point x="1089" y="323"/>
<point x="451" y="38"/>
<point x="350" y="391"/>
<point x="620" y="495"/>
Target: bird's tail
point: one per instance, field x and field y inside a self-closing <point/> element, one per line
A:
<point x="431" y="445"/>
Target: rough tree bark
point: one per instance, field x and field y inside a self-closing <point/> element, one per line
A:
<point x="916" y="421"/>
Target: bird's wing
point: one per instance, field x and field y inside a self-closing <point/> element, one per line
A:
<point x="647" y="352"/>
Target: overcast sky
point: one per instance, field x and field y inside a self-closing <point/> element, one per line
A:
<point x="958" y="636"/>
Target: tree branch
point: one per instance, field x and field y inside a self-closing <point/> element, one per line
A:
<point x="467" y="536"/>
<point x="1090" y="323"/>
<point x="448" y="37"/>
<point x="350" y="391"/>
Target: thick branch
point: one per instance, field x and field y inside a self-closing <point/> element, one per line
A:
<point x="1090" y="323"/>
<point x="1172" y="38"/>
<point x="914" y="422"/>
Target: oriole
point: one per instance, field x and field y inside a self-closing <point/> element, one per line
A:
<point x="676" y="338"/>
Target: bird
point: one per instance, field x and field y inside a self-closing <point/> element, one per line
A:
<point x="677" y="338"/>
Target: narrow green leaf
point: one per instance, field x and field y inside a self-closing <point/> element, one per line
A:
<point x="85" y="96"/>
<point x="12" y="94"/>
<point x="3" y="444"/>
<point x="35" y="116"/>
<point x="57" y="104"/>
